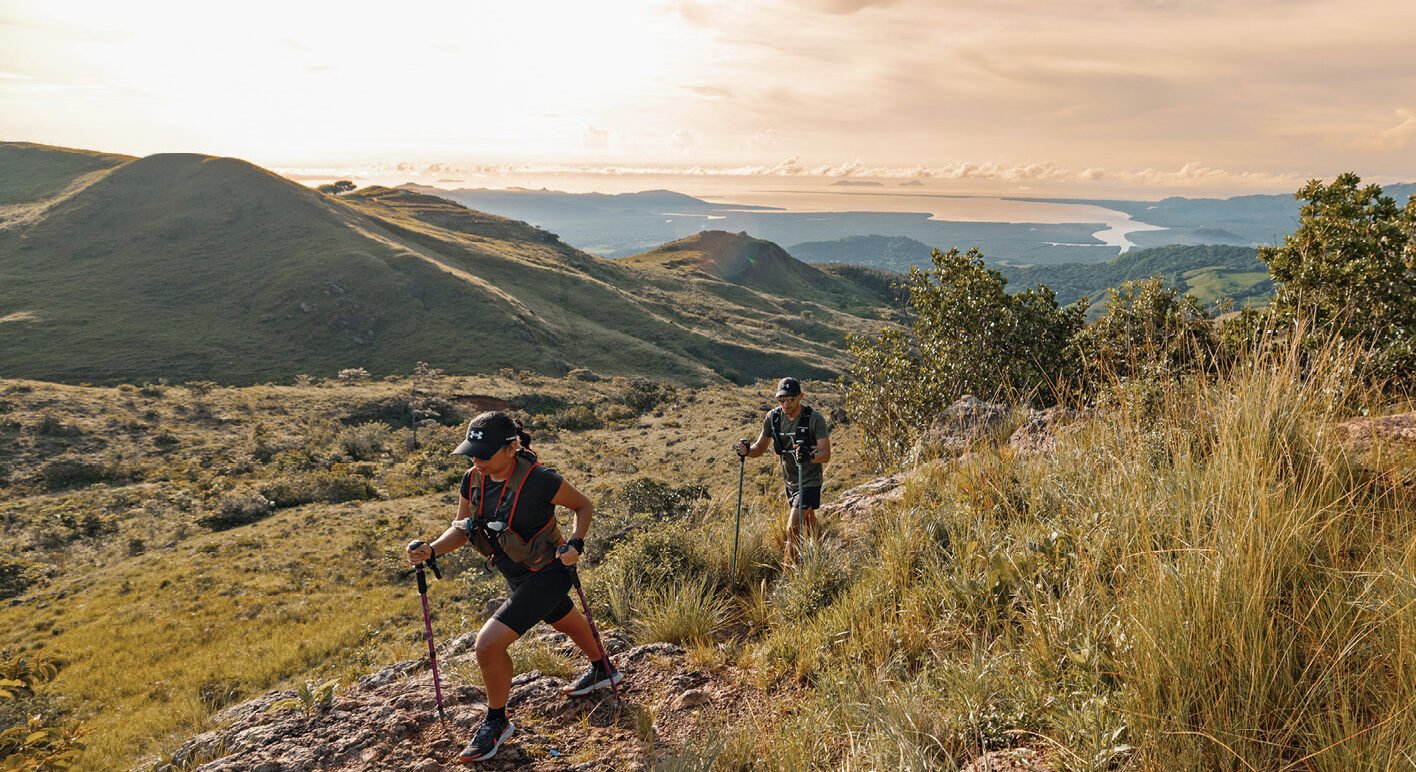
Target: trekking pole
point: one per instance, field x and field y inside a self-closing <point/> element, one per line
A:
<point x="594" y="631"/>
<point x="432" y="562"/>
<point x="737" y="523"/>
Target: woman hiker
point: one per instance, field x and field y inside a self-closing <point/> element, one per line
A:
<point x="507" y="511"/>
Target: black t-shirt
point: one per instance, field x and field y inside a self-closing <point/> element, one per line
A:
<point x="533" y="510"/>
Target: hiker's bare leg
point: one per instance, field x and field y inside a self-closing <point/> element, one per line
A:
<point x="789" y="552"/>
<point x="809" y="528"/>
<point x="575" y="625"/>
<point x="492" y="642"/>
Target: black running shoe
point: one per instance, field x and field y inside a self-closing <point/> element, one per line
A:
<point x="597" y="677"/>
<point x="489" y="737"/>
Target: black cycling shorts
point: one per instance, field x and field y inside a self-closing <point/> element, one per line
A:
<point x="542" y="596"/>
<point x="810" y="499"/>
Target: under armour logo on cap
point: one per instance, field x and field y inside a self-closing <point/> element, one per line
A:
<point x="474" y="434"/>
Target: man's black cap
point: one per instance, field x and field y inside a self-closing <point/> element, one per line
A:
<point x="788" y="387"/>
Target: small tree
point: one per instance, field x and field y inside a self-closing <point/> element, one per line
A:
<point x="1349" y="271"/>
<point x="1149" y="332"/>
<point x="967" y="335"/>
<point x="418" y="410"/>
<point x="337" y="188"/>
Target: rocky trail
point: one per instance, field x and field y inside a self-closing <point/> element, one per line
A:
<point x="389" y="721"/>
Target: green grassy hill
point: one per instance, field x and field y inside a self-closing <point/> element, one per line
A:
<point x="761" y="266"/>
<point x="35" y="172"/>
<point x="191" y="267"/>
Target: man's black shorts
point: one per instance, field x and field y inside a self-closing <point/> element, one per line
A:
<point x="543" y="596"/>
<point x="811" y="497"/>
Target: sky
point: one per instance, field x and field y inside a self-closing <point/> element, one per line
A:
<point x="1165" y="96"/>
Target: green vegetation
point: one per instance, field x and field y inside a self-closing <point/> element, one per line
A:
<point x="1349" y="270"/>
<point x="967" y="335"/>
<point x="1211" y="273"/>
<point x="36" y="172"/>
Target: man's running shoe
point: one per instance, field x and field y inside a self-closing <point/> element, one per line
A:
<point x="597" y="677"/>
<point x="489" y="737"/>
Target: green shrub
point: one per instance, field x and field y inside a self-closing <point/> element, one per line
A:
<point x="642" y="395"/>
<point x="1347" y="270"/>
<point x="237" y="509"/>
<point x="364" y="442"/>
<point x="534" y="404"/>
<point x="576" y="418"/>
<point x="16" y="576"/>
<point x="644" y="495"/>
<point x="1148" y="333"/>
<point x="650" y="559"/>
<point x="334" y="485"/>
<point x="64" y="473"/>
<point x="967" y="335"/>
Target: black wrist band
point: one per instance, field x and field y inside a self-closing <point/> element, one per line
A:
<point x="578" y="544"/>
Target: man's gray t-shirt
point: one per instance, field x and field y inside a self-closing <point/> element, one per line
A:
<point x="811" y="472"/>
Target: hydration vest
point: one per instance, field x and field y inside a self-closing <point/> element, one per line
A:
<point x="534" y="553"/>
<point x="786" y="444"/>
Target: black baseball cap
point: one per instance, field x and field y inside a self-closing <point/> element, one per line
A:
<point x="487" y="434"/>
<point x="788" y="387"/>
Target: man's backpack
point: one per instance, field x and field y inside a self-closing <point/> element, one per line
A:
<point x="786" y="444"/>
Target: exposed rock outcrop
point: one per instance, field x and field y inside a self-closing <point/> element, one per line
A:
<point x="388" y="720"/>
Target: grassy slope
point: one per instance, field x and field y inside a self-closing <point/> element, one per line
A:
<point x="158" y="620"/>
<point x="1207" y="582"/>
<point x="37" y="172"/>
<point x="184" y="266"/>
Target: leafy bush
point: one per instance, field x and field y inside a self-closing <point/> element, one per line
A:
<point x="1349" y="270"/>
<point x="364" y="442"/>
<point x="577" y="418"/>
<point x="534" y="404"/>
<point x="650" y="559"/>
<point x="237" y="509"/>
<point x="644" y="495"/>
<point x="64" y="473"/>
<point x="16" y="576"/>
<point x="353" y="375"/>
<point x="30" y="739"/>
<point x="642" y="395"/>
<point x="396" y="411"/>
<point x="334" y="485"/>
<point x="1149" y="332"/>
<point x="967" y="335"/>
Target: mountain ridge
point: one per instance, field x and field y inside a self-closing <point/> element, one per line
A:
<point x="187" y="266"/>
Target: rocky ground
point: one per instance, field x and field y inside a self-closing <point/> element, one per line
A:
<point x="389" y="721"/>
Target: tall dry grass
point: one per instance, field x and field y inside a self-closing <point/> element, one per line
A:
<point x="1200" y="577"/>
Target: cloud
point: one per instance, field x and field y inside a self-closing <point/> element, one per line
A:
<point x="596" y="138"/>
<point x="684" y="140"/>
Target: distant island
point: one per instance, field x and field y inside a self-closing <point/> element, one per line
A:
<point x="912" y="184"/>
<point x="856" y="184"/>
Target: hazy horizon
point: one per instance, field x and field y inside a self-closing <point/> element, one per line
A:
<point x="1142" y="98"/>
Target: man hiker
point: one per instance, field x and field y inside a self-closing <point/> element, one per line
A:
<point x="506" y="510"/>
<point x="800" y="437"/>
